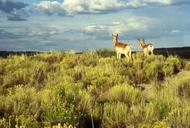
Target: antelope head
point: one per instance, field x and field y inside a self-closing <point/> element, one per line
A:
<point x="115" y="38"/>
<point x="141" y="42"/>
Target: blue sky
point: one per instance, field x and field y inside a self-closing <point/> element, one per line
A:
<point x="40" y="25"/>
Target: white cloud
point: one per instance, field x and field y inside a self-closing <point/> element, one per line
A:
<point x="71" y="7"/>
<point x="91" y="6"/>
<point x="135" y="4"/>
<point x="80" y="6"/>
<point x="50" y="7"/>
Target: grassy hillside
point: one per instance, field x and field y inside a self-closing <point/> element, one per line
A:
<point x="94" y="89"/>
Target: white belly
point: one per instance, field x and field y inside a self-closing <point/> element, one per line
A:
<point x="120" y="50"/>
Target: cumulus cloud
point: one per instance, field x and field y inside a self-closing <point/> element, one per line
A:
<point x="79" y="6"/>
<point x="14" y="10"/>
<point x="9" y="6"/>
<point x="50" y="7"/>
<point x="70" y="7"/>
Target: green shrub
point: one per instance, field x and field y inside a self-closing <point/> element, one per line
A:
<point x="135" y="72"/>
<point x="172" y="66"/>
<point x="59" y="114"/>
<point x="136" y="115"/>
<point x="50" y="57"/>
<point x="3" y="123"/>
<point x="1" y="80"/>
<point x="26" y="121"/>
<point x="88" y="58"/>
<point x="160" y="124"/>
<point x="105" y="52"/>
<point x="20" y="76"/>
<point x="153" y="70"/>
<point x="69" y="61"/>
<point x="65" y="125"/>
<point x="184" y="87"/>
<point x="144" y="70"/>
<point x="179" y="117"/>
<point x="115" y="115"/>
<point x="161" y="108"/>
<point x="138" y="55"/>
<point x="2" y="66"/>
<point x="20" y="100"/>
<point x="187" y="66"/>
<point x="125" y="93"/>
<point x="39" y="74"/>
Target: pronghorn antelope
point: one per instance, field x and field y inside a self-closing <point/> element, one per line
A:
<point x="121" y="48"/>
<point x="147" y="48"/>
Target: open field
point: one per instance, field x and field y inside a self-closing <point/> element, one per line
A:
<point x="94" y="90"/>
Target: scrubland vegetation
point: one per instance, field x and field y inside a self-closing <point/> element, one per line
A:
<point x="94" y="90"/>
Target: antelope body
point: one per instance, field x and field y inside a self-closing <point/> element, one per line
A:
<point x="121" y="48"/>
<point x="147" y="48"/>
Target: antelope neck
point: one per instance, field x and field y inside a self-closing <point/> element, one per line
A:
<point x="143" y="45"/>
<point x="115" y="42"/>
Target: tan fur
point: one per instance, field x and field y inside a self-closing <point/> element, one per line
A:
<point x="121" y="48"/>
<point x="147" y="48"/>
